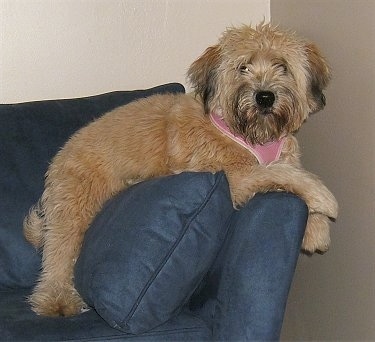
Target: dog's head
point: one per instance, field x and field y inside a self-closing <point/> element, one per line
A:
<point x="264" y="81"/>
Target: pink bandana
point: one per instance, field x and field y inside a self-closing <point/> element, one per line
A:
<point x="265" y="154"/>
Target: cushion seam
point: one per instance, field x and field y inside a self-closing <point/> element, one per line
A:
<point x="170" y="252"/>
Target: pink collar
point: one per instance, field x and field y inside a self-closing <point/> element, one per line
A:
<point x="265" y="154"/>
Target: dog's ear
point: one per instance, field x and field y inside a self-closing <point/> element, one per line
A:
<point x="203" y="73"/>
<point x="320" y="75"/>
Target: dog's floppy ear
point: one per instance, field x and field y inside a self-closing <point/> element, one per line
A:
<point x="319" y="76"/>
<point x="203" y="73"/>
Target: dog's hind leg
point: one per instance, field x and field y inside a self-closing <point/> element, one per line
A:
<point x="70" y="204"/>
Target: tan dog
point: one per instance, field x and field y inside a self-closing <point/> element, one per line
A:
<point x="259" y="84"/>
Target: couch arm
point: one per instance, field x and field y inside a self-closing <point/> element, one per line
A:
<point x="245" y="294"/>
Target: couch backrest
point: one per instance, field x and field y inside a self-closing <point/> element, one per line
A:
<point x="30" y="135"/>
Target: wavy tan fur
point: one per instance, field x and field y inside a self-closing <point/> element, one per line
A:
<point x="168" y="134"/>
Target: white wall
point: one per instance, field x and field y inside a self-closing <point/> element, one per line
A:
<point x="69" y="48"/>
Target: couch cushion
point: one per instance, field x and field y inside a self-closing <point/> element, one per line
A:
<point x="19" y="324"/>
<point x="150" y="247"/>
<point x="31" y="133"/>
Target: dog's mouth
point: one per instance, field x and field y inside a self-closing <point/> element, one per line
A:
<point x="266" y="127"/>
<point x="260" y="125"/>
<point x="262" y="116"/>
<point x="265" y="111"/>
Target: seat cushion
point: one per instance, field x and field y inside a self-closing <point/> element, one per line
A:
<point x="19" y="324"/>
<point x="151" y="246"/>
<point x="30" y="135"/>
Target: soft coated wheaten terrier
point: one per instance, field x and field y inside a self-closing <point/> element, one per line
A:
<point x="253" y="90"/>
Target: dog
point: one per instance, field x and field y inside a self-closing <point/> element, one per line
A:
<point x="252" y="91"/>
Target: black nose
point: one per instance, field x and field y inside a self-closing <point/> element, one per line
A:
<point x="265" y="99"/>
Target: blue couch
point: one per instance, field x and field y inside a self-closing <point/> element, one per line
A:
<point x="167" y="260"/>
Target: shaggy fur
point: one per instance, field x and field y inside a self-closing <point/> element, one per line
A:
<point x="168" y="134"/>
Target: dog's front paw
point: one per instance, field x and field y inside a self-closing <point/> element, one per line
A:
<point x="240" y="199"/>
<point x="54" y="301"/>
<point x="321" y="201"/>
<point x="331" y="206"/>
<point x="317" y="237"/>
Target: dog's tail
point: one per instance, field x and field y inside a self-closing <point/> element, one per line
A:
<point x="33" y="225"/>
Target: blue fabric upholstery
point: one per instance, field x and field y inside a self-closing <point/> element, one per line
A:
<point x="256" y="265"/>
<point x="246" y="262"/>
<point x="144" y="256"/>
<point x="19" y="324"/>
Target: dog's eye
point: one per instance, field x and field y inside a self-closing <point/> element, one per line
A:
<point x="244" y="69"/>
